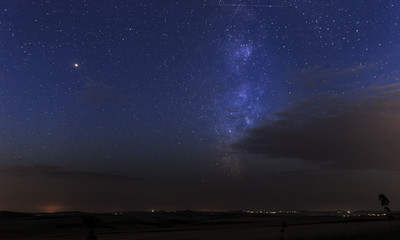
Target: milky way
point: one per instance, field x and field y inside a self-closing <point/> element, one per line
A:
<point x="125" y="103"/>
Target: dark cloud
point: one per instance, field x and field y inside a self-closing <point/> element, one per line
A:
<point x="360" y="130"/>
<point x="58" y="172"/>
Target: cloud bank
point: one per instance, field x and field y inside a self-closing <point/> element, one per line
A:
<point x="57" y="172"/>
<point x="360" y="130"/>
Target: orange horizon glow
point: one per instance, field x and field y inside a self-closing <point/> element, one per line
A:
<point x="52" y="208"/>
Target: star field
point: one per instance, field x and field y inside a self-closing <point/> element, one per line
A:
<point x="171" y="96"/>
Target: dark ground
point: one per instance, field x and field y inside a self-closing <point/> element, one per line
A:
<point x="193" y="225"/>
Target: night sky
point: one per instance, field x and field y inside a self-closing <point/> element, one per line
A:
<point x="204" y="104"/>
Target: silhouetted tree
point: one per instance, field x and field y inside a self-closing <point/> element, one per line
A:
<point x="91" y="236"/>
<point x="385" y="204"/>
<point x="91" y="222"/>
<point x="384" y="200"/>
<point x="283" y="230"/>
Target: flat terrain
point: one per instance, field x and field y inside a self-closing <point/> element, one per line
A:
<point x="191" y="225"/>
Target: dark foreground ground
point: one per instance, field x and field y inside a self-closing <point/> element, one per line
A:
<point x="191" y="225"/>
